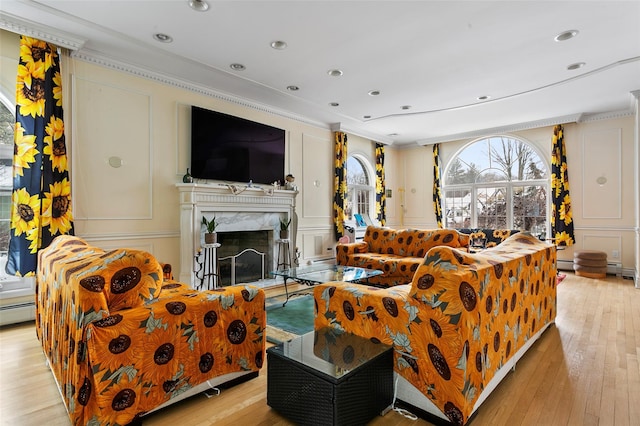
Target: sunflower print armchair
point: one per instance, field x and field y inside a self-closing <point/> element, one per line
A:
<point x="121" y="340"/>
<point x="459" y="325"/>
<point x="396" y="252"/>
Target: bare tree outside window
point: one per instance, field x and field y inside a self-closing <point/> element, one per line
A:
<point x="506" y="182"/>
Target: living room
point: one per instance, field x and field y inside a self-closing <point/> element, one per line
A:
<point x="137" y="205"/>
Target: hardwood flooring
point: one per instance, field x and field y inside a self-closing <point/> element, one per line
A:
<point x="583" y="371"/>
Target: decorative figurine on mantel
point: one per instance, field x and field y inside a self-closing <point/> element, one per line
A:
<point x="289" y="183"/>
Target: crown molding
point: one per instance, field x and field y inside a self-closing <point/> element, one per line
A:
<point x="23" y="26"/>
<point x="573" y="118"/>
<point x="87" y="55"/>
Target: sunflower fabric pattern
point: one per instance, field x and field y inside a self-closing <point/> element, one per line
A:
<point x="121" y="340"/>
<point x="493" y="237"/>
<point x="339" y="184"/>
<point x="397" y="253"/>
<point x="561" y="213"/>
<point x="41" y="198"/>
<point x="381" y="192"/>
<point x="462" y="317"/>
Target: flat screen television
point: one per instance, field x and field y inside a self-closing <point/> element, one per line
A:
<point x="228" y="148"/>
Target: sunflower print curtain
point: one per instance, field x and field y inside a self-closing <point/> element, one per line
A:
<point x="381" y="197"/>
<point x="340" y="184"/>
<point x="437" y="195"/>
<point x="41" y="198"/>
<point x="561" y="216"/>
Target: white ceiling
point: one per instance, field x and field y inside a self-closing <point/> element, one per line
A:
<point x="436" y="56"/>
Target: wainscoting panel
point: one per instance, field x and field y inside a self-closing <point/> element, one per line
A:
<point x="601" y="174"/>
<point x="610" y="244"/>
<point x="112" y="152"/>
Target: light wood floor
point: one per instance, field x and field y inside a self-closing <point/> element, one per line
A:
<point x="583" y="371"/>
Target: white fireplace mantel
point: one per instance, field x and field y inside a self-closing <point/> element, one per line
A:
<point x="236" y="208"/>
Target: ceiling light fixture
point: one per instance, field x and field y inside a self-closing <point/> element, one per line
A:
<point x="199" y="5"/>
<point x="405" y="107"/>
<point x="366" y="117"/>
<point x="334" y="104"/>
<point x="335" y="73"/>
<point x="163" y="38"/>
<point x="279" y="44"/>
<point x="293" y="88"/>
<point x="566" y="35"/>
<point x="484" y="98"/>
<point x="576" y="66"/>
<point x="374" y="92"/>
<point x="237" y="67"/>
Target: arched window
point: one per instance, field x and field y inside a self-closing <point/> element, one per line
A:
<point x="360" y="190"/>
<point x="497" y="182"/>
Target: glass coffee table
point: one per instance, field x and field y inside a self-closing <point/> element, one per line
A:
<point x="323" y="273"/>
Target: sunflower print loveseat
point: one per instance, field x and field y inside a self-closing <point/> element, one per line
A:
<point x="122" y="341"/>
<point x="396" y="252"/>
<point x="459" y="326"/>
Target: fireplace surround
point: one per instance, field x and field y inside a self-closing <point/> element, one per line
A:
<point x="237" y="208"/>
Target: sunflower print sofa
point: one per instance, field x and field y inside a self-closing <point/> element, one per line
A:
<point x="397" y="253"/>
<point x="122" y="341"/>
<point x="459" y="326"/>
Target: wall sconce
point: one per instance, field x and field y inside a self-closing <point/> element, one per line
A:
<point x="601" y="180"/>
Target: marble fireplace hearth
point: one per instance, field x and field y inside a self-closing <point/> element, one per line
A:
<point x="237" y="208"/>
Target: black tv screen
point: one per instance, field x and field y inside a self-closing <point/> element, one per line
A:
<point x="228" y="148"/>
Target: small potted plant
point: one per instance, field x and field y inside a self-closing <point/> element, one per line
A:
<point x="284" y="229"/>
<point x="210" y="233"/>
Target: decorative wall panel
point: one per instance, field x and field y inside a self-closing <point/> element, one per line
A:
<point x="317" y="177"/>
<point x="112" y="152"/>
<point x="601" y="174"/>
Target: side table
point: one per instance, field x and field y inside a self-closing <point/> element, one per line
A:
<point x="327" y="377"/>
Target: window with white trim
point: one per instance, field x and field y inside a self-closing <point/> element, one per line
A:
<point x="497" y="182"/>
<point x="360" y="190"/>
<point x="10" y="286"/>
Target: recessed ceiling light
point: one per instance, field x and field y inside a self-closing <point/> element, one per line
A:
<point x="279" y="44"/>
<point x="405" y="107"/>
<point x="164" y="38"/>
<point x="237" y="67"/>
<point x="576" y="66"/>
<point x="374" y="92"/>
<point x="335" y="73"/>
<point x="566" y="35"/>
<point x="293" y="88"/>
<point x="334" y="104"/>
<point x="199" y="5"/>
<point x="366" y="117"/>
<point x="484" y="97"/>
<point x="392" y="134"/>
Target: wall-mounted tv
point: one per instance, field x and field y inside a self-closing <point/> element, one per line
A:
<point x="228" y="148"/>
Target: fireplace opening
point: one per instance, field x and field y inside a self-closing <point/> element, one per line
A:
<point x="249" y="266"/>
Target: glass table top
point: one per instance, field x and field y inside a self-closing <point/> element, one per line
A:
<point x="329" y="351"/>
<point x="322" y="273"/>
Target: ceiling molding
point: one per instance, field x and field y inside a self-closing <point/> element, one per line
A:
<point x="339" y="127"/>
<point x="87" y="55"/>
<point x="605" y="116"/>
<point x="22" y="26"/>
<point x="573" y="118"/>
